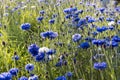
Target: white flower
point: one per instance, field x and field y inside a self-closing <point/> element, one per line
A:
<point x="33" y="7"/>
<point x="23" y="7"/>
<point x="111" y="23"/>
<point x="44" y="49"/>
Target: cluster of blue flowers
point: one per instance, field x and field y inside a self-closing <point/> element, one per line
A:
<point x="49" y="34"/>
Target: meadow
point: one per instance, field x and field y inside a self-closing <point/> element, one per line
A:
<point x="59" y="40"/>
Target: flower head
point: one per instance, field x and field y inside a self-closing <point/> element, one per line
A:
<point x="23" y="78"/>
<point x="76" y="37"/>
<point x="14" y="71"/>
<point x="84" y="45"/>
<point x="33" y="49"/>
<point x="100" y="65"/>
<point x="29" y="67"/>
<point x="25" y="26"/>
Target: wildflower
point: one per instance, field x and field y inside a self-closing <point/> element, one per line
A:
<point x="51" y="51"/>
<point x="82" y="22"/>
<point x="118" y="22"/>
<point x="100" y="65"/>
<point x="69" y="74"/>
<point x="34" y="77"/>
<point x="42" y="12"/>
<point x="33" y="49"/>
<point x="76" y="37"/>
<point x="14" y="71"/>
<point x="5" y="76"/>
<point x="25" y="26"/>
<point x="51" y="21"/>
<point x="43" y="49"/>
<point x="109" y="19"/>
<point x="39" y="19"/>
<point x="116" y="38"/>
<point x="23" y="78"/>
<point x="29" y="67"/>
<point x="61" y="78"/>
<point x="98" y="42"/>
<point x="49" y="34"/>
<point x="111" y="23"/>
<point x="112" y="44"/>
<point x="40" y="56"/>
<point x="15" y="57"/>
<point x="84" y="45"/>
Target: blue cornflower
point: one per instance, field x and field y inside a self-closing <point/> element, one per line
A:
<point x="109" y="19"/>
<point x="118" y="22"/>
<point x="94" y="33"/>
<point x="111" y="27"/>
<point x="98" y="42"/>
<point x="39" y="19"/>
<point x="2" y="77"/>
<point x="23" y="78"/>
<point x="84" y="45"/>
<point x="61" y="78"/>
<point x="33" y="49"/>
<point x="51" y="21"/>
<point x="34" y="77"/>
<point x="101" y="18"/>
<point x="15" y="57"/>
<point x="69" y="74"/>
<point x="6" y="76"/>
<point x="82" y="22"/>
<point x="76" y="19"/>
<point x="14" y="71"/>
<point x="25" y="26"/>
<point x="100" y="65"/>
<point x="40" y="56"/>
<point x="59" y="63"/>
<point x="51" y="51"/>
<point x="102" y="10"/>
<point x="76" y="37"/>
<point x="116" y="38"/>
<point x="91" y="20"/>
<point x="112" y="44"/>
<point x="42" y="12"/>
<point x="101" y="29"/>
<point x="49" y="34"/>
<point x="29" y="67"/>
